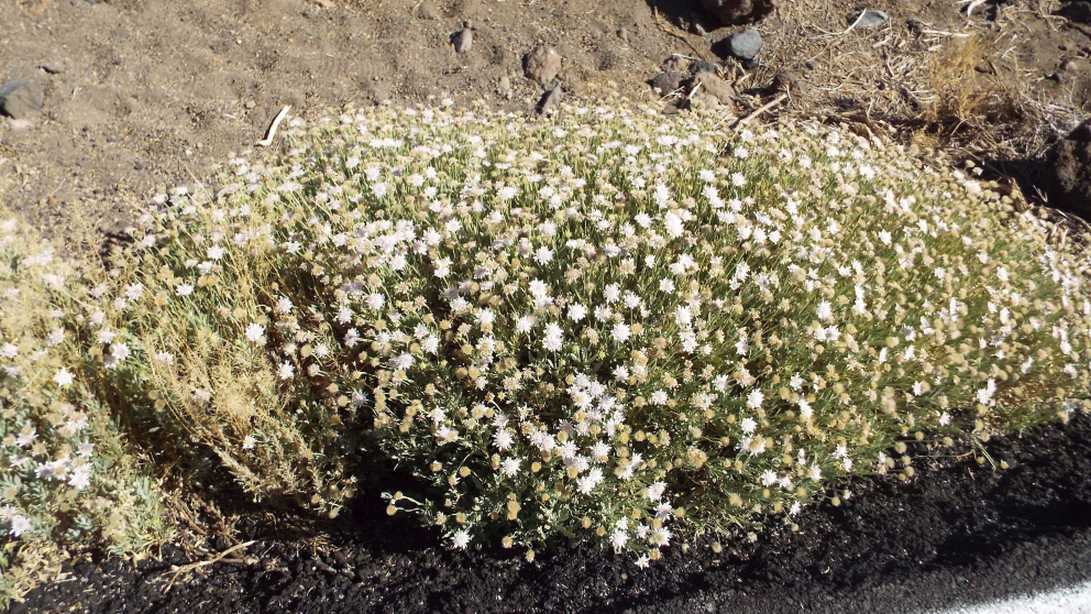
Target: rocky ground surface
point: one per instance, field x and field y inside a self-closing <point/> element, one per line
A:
<point x="961" y="532"/>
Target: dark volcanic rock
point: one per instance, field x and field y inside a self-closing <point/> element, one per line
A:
<point x="736" y="12"/>
<point x="1068" y="172"/>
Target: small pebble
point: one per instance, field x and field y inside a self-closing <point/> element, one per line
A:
<point x="745" y="45"/>
<point x="547" y="104"/>
<point x="20" y="99"/>
<point x="427" y="10"/>
<point x="871" y="18"/>
<point x="667" y="81"/>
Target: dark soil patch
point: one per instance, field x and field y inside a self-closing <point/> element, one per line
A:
<point x="960" y="532"/>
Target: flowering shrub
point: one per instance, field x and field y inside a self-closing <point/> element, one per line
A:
<point x="66" y="477"/>
<point x="612" y="323"/>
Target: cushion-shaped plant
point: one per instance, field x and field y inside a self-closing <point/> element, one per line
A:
<point x="613" y="323"/>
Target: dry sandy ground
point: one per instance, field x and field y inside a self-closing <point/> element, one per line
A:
<point x="143" y="94"/>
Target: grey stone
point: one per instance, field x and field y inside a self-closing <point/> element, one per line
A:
<point x="549" y="101"/>
<point x="21" y="99"/>
<point x="667" y="81"/>
<point x="427" y="10"/>
<point x="542" y="64"/>
<point x="871" y="18"/>
<point x="745" y="45"/>
<point x="701" y="66"/>
<point x="711" y="85"/>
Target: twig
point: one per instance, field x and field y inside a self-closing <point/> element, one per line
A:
<point x="272" y="131"/>
<point x="178" y="570"/>
<point x="762" y="109"/>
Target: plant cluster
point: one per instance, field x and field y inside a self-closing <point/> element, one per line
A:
<point x="609" y="324"/>
<point x="67" y="478"/>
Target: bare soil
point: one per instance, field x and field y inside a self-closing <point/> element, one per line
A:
<point x="145" y="94"/>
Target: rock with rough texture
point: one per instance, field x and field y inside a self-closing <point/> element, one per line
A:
<point x="667" y="81"/>
<point x="1068" y="172"/>
<point x="542" y="64"/>
<point x="427" y="10"/>
<point x="737" y="12"/>
<point x="709" y="85"/>
<point x="871" y="18"/>
<point x="745" y="45"/>
<point x="549" y="101"/>
<point x="701" y="66"/>
<point x="463" y="40"/>
<point x="21" y="99"/>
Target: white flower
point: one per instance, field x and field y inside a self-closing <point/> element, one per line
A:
<point x="825" y="311"/>
<point x="618" y="538"/>
<point x="805" y="409"/>
<point x="503" y="439"/>
<point x="577" y="312"/>
<point x="485" y="316"/>
<point x="8" y="350"/>
<point x="375" y="301"/>
<point x="286" y="370"/>
<point x="19" y="524"/>
<point x="673" y="224"/>
<point x="461" y="539"/>
<point x="796" y="382"/>
<point x="611" y="293"/>
<point x="509" y="467"/>
<point x="80" y="477"/>
<point x="620" y="332"/>
<point x="183" y="289"/>
<point x="587" y="483"/>
<point x="654" y="492"/>
<point x="524" y="324"/>
<point x="255" y="333"/>
<point x="248" y="442"/>
<point x="284" y="305"/>
<point x="63" y="377"/>
<point x="553" y="337"/>
<point x="748" y="425"/>
<point x="755" y="399"/>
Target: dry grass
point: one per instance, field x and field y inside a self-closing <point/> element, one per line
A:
<point x="948" y="81"/>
